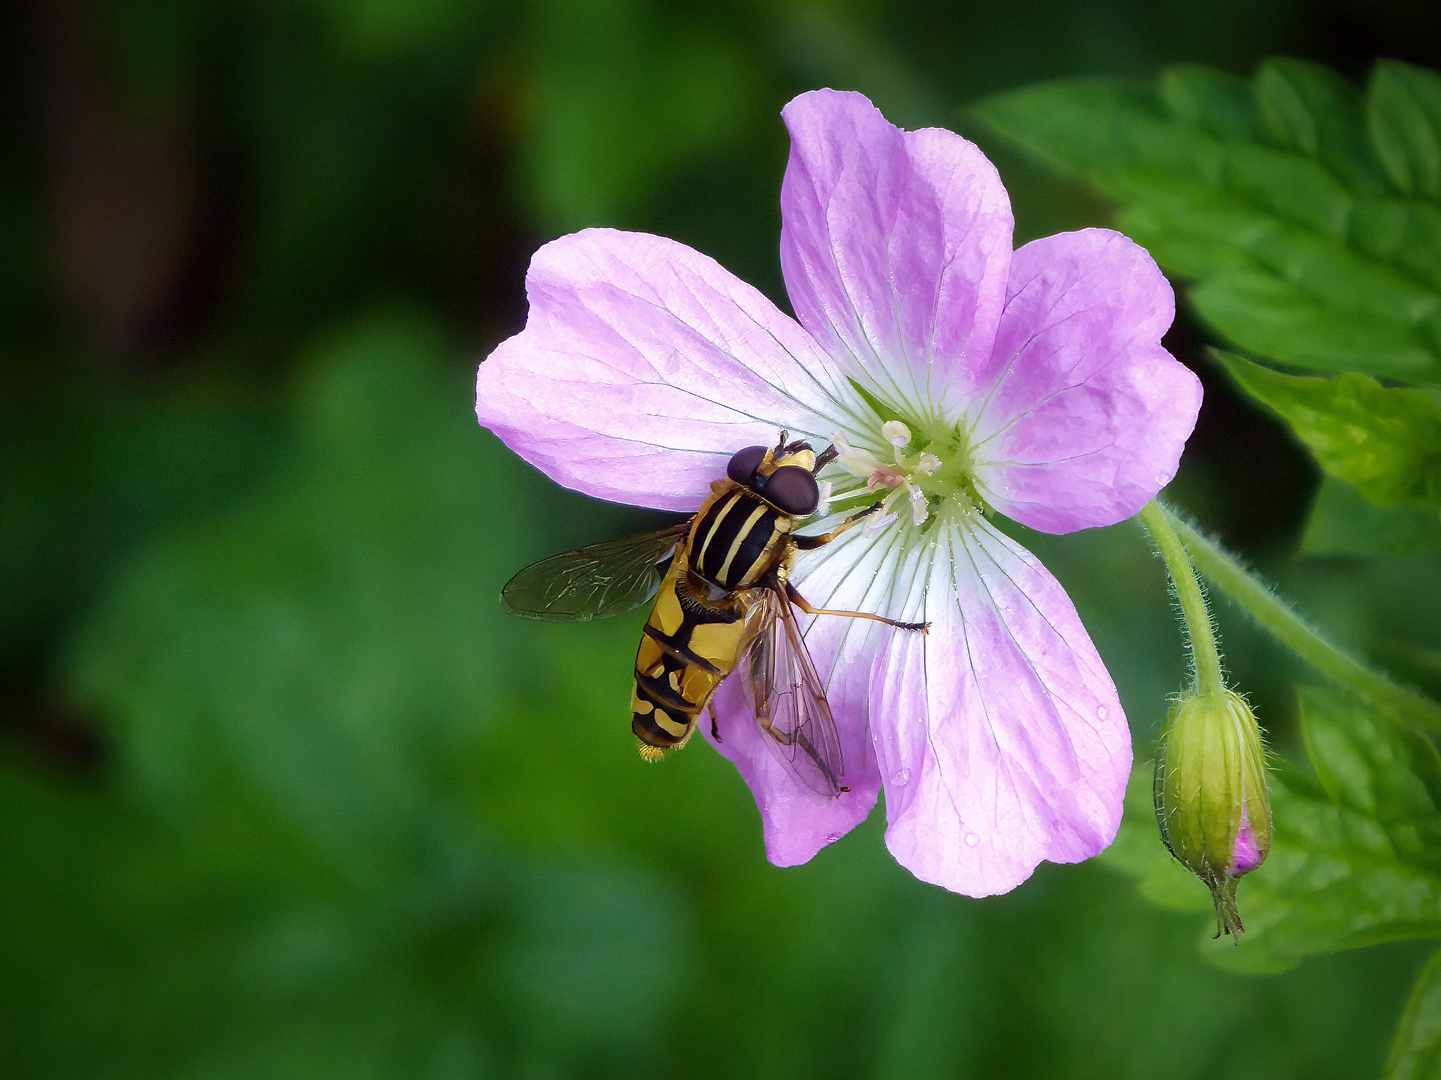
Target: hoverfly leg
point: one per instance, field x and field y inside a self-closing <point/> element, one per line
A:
<point x="800" y="601"/>
<point x="714" y="722"/>
<point x="809" y="543"/>
<point x="796" y="738"/>
<point x="820" y="762"/>
<point x="770" y="729"/>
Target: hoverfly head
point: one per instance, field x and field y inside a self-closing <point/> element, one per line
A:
<point x="781" y="475"/>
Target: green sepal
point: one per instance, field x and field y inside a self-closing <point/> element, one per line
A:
<point x="1210" y="778"/>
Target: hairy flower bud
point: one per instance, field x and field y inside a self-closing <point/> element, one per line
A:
<point x="1210" y="791"/>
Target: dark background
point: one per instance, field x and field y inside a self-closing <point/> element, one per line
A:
<point x="282" y="793"/>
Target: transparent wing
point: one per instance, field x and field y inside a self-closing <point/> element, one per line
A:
<point x="592" y="582"/>
<point x="788" y="699"/>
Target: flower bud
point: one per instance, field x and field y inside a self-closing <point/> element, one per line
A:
<point x="1210" y="792"/>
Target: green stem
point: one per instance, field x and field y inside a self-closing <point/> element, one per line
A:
<point x="1225" y="572"/>
<point x="1205" y="657"/>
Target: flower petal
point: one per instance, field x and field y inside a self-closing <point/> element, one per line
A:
<point x="856" y="573"/>
<point x="999" y="736"/>
<point x="894" y="247"/>
<point x="796" y="823"/>
<point x="643" y="366"/>
<point x="1087" y="414"/>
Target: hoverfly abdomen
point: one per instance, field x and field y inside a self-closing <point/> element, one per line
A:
<point x="690" y="644"/>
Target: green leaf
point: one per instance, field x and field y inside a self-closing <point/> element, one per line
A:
<point x="1345" y="522"/>
<point x="1416" y="1053"/>
<point x="1315" y="112"/>
<point x="1274" y="198"/>
<point x="1404" y="114"/>
<point x="1356" y="850"/>
<point x="1384" y="441"/>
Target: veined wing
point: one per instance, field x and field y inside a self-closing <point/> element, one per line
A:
<point x="788" y="699"/>
<point x="592" y="582"/>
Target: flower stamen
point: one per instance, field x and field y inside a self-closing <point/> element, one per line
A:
<point x="853" y="459"/>
<point x="823" y="503"/>
<point x="920" y="508"/>
<point x="897" y="434"/>
<point x="874" y="525"/>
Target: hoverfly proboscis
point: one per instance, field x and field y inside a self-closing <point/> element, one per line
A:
<point x="726" y="601"/>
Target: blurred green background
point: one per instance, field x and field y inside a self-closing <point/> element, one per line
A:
<point x="284" y="794"/>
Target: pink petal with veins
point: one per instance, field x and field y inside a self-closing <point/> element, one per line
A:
<point x="1086" y="414"/>
<point x="999" y="738"/>
<point x="643" y="366"/>
<point x="894" y="247"/>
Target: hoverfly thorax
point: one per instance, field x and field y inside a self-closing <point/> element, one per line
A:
<point x="742" y="532"/>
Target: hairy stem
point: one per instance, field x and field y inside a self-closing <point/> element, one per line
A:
<point x="1225" y="572"/>
<point x="1201" y="632"/>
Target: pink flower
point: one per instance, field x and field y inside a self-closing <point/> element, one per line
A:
<point x="954" y="375"/>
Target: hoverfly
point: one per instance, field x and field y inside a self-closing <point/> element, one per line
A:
<point x="726" y="600"/>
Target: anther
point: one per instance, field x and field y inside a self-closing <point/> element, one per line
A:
<point x="920" y="509"/>
<point x="823" y="504"/>
<point x="874" y="525"/>
<point x="896" y="433"/>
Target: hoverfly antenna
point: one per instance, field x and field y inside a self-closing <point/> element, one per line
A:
<point x="795" y="447"/>
<point x="824" y="458"/>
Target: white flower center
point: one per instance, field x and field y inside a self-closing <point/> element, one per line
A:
<point x="932" y="470"/>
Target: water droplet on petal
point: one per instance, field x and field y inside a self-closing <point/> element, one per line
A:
<point x="901" y="778"/>
<point x="971" y="839"/>
<point x="1162" y="479"/>
<point x="1102" y="713"/>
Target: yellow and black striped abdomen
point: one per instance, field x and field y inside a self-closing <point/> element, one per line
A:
<point x="688" y="647"/>
<point x="735" y="538"/>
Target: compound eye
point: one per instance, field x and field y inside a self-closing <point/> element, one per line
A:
<point x="792" y="489"/>
<point x="743" y="464"/>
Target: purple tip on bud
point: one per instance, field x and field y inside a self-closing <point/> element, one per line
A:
<point x="1210" y="791"/>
